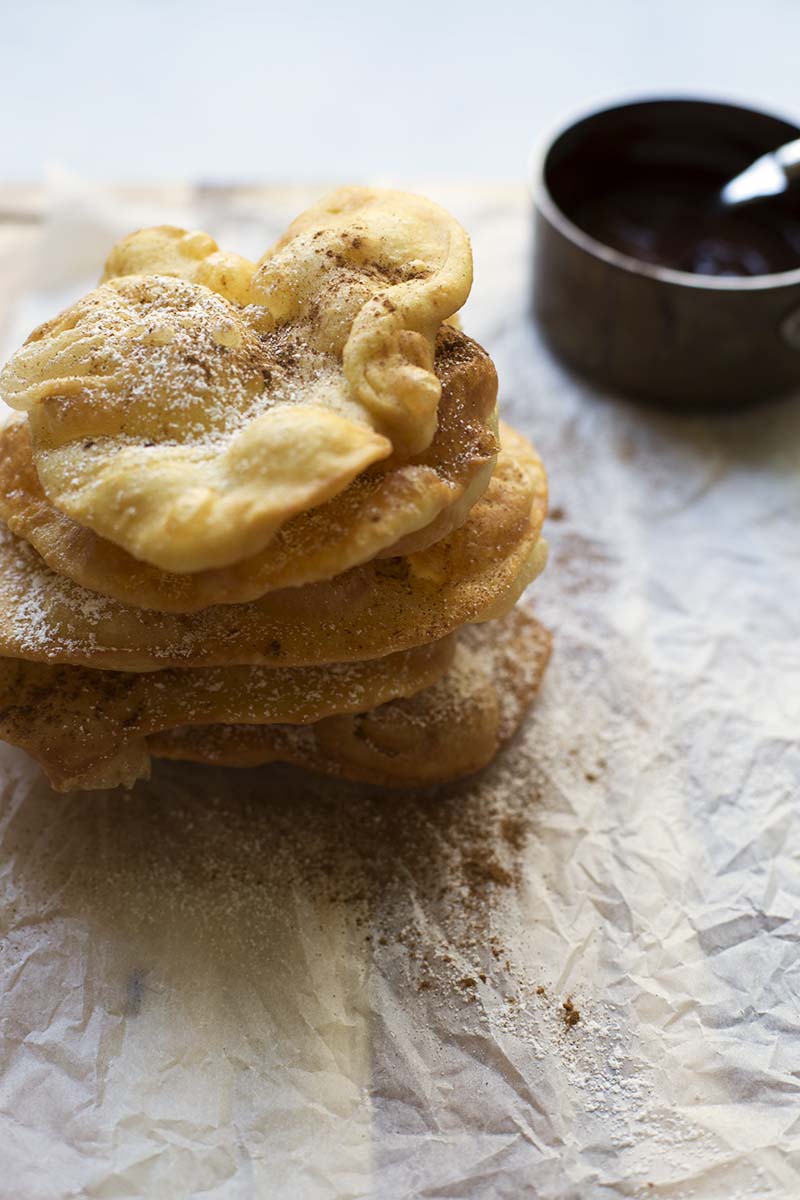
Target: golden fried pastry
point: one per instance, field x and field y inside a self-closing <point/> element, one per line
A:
<point x="447" y="731"/>
<point x="42" y="706"/>
<point x="397" y="508"/>
<point x="263" y="511"/>
<point x="475" y="574"/>
<point x="187" y="428"/>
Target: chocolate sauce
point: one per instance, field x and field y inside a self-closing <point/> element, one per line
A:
<point x="672" y="217"/>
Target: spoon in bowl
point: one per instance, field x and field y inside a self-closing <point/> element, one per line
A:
<point x="770" y="175"/>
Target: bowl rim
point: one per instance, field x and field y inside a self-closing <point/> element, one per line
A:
<point x="552" y="212"/>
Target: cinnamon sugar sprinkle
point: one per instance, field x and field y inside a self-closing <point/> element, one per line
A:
<point x="425" y="875"/>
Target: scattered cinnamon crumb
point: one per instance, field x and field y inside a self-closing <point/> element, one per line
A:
<point x="481" y="867"/>
<point x="512" y="829"/>
<point x="571" y="1013"/>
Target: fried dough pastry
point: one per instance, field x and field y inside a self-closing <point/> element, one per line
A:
<point x="43" y="707"/>
<point x="187" y="428"/>
<point x="475" y="574"/>
<point x="396" y="509"/>
<point x="163" y="421"/>
<point x="440" y="734"/>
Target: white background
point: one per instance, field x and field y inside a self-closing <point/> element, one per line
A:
<point x="239" y="92"/>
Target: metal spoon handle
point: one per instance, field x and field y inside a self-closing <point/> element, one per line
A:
<point x="789" y="158"/>
<point x="768" y="176"/>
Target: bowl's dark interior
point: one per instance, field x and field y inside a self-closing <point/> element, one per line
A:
<point x="644" y="179"/>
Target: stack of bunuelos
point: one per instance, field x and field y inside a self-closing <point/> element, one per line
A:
<point x="259" y="512"/>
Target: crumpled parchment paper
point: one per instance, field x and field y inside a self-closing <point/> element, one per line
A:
<point x="261" y="984"/>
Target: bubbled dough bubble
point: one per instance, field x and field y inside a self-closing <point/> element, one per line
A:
<point x="193" y="256"/>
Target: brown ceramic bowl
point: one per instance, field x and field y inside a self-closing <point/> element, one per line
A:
<point x="650" y="330"/>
